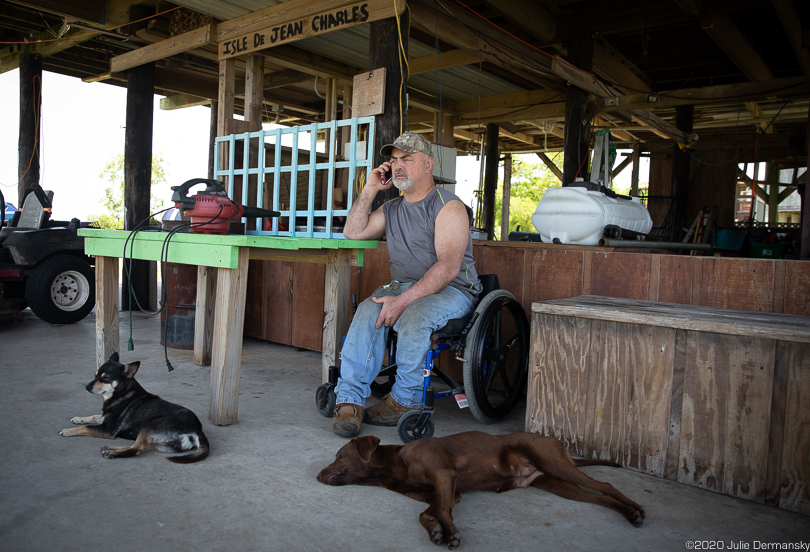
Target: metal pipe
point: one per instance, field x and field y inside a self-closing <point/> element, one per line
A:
<point x="637" y="244"/>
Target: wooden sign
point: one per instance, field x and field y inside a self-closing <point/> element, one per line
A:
<point x="311" y="25"/>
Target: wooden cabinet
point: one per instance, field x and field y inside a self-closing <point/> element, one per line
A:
<point x="714" y="398"/>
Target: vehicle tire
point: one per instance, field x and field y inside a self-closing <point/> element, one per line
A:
<point x="61" y="289"/>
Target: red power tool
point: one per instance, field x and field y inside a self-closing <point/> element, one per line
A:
<point x="211" y="210"/>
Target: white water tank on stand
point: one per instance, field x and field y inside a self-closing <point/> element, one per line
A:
<point x="578" y="214"/>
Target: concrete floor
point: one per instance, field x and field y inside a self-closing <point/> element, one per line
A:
<point x="257" y="490"/>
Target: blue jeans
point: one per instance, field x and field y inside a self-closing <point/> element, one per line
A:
<point x="364" y="347"/>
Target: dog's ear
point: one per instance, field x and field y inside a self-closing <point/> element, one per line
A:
<point x="366" y="446"/>
<point x="131" y="369"/>
<point x="114" y="357"/>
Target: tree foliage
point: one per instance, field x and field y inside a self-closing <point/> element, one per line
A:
<point x="530" y="180"/>
<point x="114" y="195"/>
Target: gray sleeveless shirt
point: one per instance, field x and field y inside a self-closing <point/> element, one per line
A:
<point x="410" y="230"/>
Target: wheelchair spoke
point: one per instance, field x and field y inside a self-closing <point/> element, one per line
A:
<point x="496" y="357"/>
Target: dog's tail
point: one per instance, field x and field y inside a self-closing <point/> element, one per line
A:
<point x="199" y="453"/>
<point x="580" y="462"/>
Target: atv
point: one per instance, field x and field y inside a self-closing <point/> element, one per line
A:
<point x="43" y="265"/>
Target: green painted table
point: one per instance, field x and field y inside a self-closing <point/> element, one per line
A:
<point x="222" y="263"/>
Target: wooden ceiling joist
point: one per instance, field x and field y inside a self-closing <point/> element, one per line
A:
<point x="166" y="48"/>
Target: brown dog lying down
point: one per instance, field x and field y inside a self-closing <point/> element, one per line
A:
<point x="437" y="470"/>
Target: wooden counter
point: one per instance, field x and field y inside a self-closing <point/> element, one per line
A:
<point x="709" y="397"/>
<point x="539" y="272"/>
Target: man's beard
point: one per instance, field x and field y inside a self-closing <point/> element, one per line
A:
<point x="403" y="185"/>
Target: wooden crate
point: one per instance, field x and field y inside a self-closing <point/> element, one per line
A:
<point x="710" y="397"/>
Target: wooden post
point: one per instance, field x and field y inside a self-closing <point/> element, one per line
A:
<point x="384" y="51"/>
<point x="578" y="118"/>
<point x="204" y="315"/>
<point x="30" y="113"/>
<point x="226" y="360"/>
<point x="490" y="179"/>
<point x="336" y="306"/>
<point x="443" y="130"/>
<point x="805" y="239"/>
<point x="212" y="136"/>
<point x="507" y="192"/>
<point x="254" y="75"/>
<point x="636" y="168"/>
<point x="107" y="307"/>
<point x="138" y="176"/>
<point x="684" y="118"/>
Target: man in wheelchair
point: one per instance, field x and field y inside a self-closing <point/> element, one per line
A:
<point x="433" y="281"/>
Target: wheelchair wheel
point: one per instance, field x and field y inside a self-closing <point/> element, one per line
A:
<point x="496" y="357"/>
<point x="407" y="427"/>
<point x="325" y="399"/>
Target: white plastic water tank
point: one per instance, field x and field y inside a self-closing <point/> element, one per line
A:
<point x="578" y="214"/>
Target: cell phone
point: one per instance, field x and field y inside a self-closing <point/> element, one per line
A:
<point x="387" y="176"/>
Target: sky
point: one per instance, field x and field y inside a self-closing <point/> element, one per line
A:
<point x="83" y="127"/>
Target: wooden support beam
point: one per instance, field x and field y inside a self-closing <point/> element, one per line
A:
<point x="723" y="31"/>
<point x="550" y="164"/>
<point x="164" y="49"/>
<point x="607" y="64"/>
<point x="758" y="190"/>
<point x="623" y="165"/>
<point x="254" y="78"/>
<point x="467" y="31"/>
<point x="312" y="20"/>
<point x="107" y="307"/>
<point x="636" y="169"/>
<point x="490" y="180"/>
<point x="268" y="17"/>
<point x="291" y="57"/>
<point x="28" y="140"/>
<point x="442" y="60"/>
<point x="507" y="194"/>
<point x="530" y="16"/>
<point x="708" y="95"/>
<point x="180" y="101"/>
<point x="227" y="342"/>
<point x="385" y="51"/>
<point x="138" y="177"/>
<point x="791" y="21"/>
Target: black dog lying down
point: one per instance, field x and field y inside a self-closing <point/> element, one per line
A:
<point x="437" y="470"/>
<point x="130" y="412"/>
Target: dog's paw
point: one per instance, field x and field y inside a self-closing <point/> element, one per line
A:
<point x="67" y="432"/>
<point x="436" y="535"/>
<point x="453" y="541"/>
<point x="108" y="452"/>
<point x="637" y="519"/>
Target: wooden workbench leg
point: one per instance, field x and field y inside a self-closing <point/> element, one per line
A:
<point x="107" y="307"/>
<point x="204" y="315"/>
<point x="226" y="355"/>
<point x="336" y="305"/>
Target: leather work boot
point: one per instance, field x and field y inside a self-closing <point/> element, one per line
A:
<point x="347" y="419"/>
<point x="387" y="412"/>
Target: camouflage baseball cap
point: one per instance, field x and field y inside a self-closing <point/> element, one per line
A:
<point x="409" y="142"/>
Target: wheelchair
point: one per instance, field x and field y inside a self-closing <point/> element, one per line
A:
<point x="493" y="345"/>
